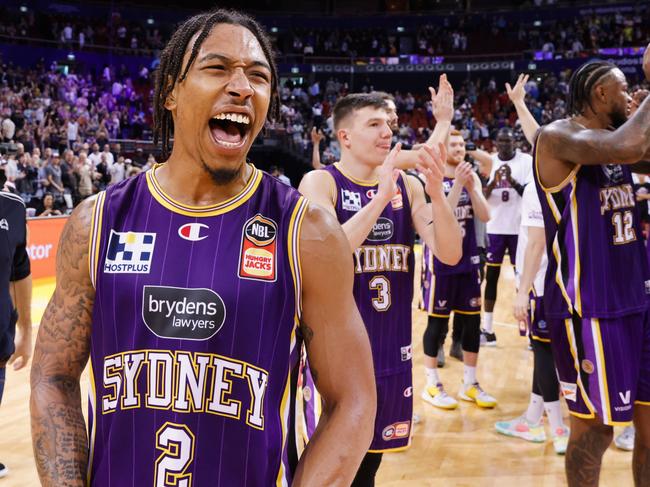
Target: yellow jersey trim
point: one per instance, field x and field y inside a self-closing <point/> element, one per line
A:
<point x="95" y="236"/>
<point x="360" y="182"/>
<point x="203" y="211"/>
<point x="565" y="181"/>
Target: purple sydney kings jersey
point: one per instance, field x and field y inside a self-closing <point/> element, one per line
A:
<point x="383" y="267"/>
<point x="194" y="351"/>
<point x="597" y="265"/>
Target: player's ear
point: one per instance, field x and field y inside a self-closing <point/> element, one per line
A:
<point x="170" y="101"/>
<point x="343" y="135"/>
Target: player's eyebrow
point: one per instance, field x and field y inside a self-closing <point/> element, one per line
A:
<point x="211" y="56"/>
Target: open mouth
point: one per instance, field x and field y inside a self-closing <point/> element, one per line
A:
<point x="229" y="129"/>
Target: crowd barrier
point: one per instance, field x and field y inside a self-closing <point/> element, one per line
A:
<point x="42" y="244"/>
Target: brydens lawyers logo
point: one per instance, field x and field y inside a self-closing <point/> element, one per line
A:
<point x="129" y="252"/>
<point x="257" y="259"/>
<point x="192" y="231"/>
<point x="182" y="313"/>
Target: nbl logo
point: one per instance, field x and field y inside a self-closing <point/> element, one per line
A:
<point x="129" y="252"/>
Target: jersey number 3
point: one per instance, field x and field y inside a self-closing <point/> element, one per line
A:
<point x="382" y="286"/>
<point x="177" y="444"/>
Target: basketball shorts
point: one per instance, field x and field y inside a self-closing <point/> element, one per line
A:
<point x="460" y="293"/>
<point x="603" y="365"/>
<point x="394" y="418"/>
<point x="497" y="246"/>
<point x="538" y="326"/>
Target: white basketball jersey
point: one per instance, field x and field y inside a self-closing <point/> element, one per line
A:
<point x="531" y="216"/>
<point x="504" y="201"/>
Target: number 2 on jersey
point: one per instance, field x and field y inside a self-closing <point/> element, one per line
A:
<point x="382" y="286"/>
<point x="177" y="444"/>
<point x="623" y="227"/>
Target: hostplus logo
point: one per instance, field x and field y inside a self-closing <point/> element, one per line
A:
<point x="129" y="252"/>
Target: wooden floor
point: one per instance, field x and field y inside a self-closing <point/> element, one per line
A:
<point x="450" y="448"/>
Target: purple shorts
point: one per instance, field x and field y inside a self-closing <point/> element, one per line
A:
<point x="460" y="293"/>
<point x="603" y="365"/>
<point x="394" y="418"/>
<point x="497" y="245"/>
<point x="538" y="329"/>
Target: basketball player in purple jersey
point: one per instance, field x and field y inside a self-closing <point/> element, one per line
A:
<point x="191" y="287"/>
<point x="456" y="288"/>
<point x="597" y="284"/>
<point x="380" y="209"/>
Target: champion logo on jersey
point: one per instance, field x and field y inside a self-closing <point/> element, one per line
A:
<point x="129" y="252"/>
<point x="350" y="200"/>
<point x="257" y="259"/>
<point x="370" y="194"/>
<point x="4" y="225"/>
<point x="192" y="232"/>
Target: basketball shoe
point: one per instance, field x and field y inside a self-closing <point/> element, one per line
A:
<point x="560" y="440"/>
<point x="474" y="393"/>
<point x="625" y="441"/>
<point x="3" y="470"/>
<point x="522" y="428"/>
<point x="488" y="339"/>
<point x="436" y="396"/>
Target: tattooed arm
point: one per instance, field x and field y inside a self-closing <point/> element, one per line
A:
<point x="564" y="144"/>
<point x="339" y="356"/>
<point x="62" y="347"/>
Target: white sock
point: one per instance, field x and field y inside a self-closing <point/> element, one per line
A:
<point x="469" y="375"/>
<point x="487" y="321"/>
<point x="554" y="413"/>
<point x="432" y="376"/>
<point x="535" y="408"/>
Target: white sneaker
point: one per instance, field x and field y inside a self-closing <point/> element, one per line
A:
<point x="474" y="393"/>
<point x="436" y="396"/>
<point x="625" y="441"/>
<point x="3" y="470"/>
<point x="561" y="440"/>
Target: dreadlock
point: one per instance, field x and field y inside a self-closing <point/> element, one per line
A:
<point x="171" y="63"/>
<point x="582" y="82"/>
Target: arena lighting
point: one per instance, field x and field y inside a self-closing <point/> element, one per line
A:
<point x="23" y="9"/>
<point x="71" y="57"/>
<point x="400" y="28"/>
<point x="537" y="23"/>
<point x="295" y="69"/>
<point x="274" y="30"/>
<point x="150" y="21"/>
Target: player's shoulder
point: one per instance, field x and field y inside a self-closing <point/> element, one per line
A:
<point x="12" y="199"/>
<point x="557" y="129"/>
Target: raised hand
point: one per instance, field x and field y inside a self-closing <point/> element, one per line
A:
<point x="646" y="62"/>
<point x="316" y="136"/>
<point x="431" y="166"/>
<point x="388" y="174"/>
<point x="637" y="98"/>
<point x="465" y="175"/>
<point x="443" y="101"/>
<point x="518" y="93"/>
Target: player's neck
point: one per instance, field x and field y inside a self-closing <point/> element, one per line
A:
<point x="190" y="184"/>
<point x="358" y="169"/>
<point x="450" y="171"/>
<point x="593" y="121"/>
<point x="507" y="157"/>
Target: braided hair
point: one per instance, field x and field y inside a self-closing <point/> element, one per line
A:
<point x="582" y="82"/>
<point x="171" y="63"/>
